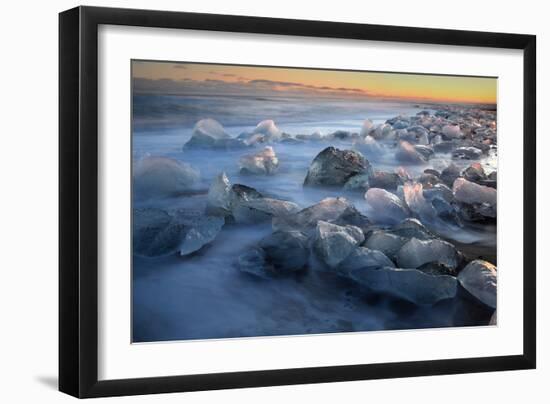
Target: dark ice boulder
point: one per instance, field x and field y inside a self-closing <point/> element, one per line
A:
<point x="479" y="278"/>
<point x="162" y="176"/>
<point x="416" y="253"/>
<point x="254" y="210"/>
<point x="467" y="153"/>
<point x="333" y="167"/>
<point x="385" y="180"/>
<point x="442" y="199"/>
<point x="359" y="182"/>
<point x="425" y="151"/>
<point x="385" y="207"/>
<point x="450" y="174"/>
<point x="250" y="206"/>
<point x="409" y="284"/>
<point x="428" y="180"/>
<point x="332" y="243"/>
<point x="287" y="251"/>
<point x="474" y="173"/>
<point x="472" y="193"/>
<point x="364" y="258"/>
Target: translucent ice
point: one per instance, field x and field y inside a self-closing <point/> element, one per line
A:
<point x="385" y="207"/>
<point x="264" y="162"/>
<point x="333" y="243"/>
<point x="162" y="176"/>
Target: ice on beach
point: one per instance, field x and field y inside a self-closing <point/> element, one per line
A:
<point x="219" y="196"/>
<point x="479" y="278"/>
<point x="407" y="154"/>
<point x="472" y="193"/>
<point x="210" y="128"/>
<point x="333" y="243"/>
<point x="264" y="162"/>
<point x="209" y="133"/>
<point x="366" y="128"/>
<point x="366" y="259"/>
<point x="452" y="131"/>
<point x="268" y="128"/>
<point x="385" y="207"/>
<point x="414" y="198"/>
<point x="162" y="176"/>
<point x="416" y="253"/>
<point x="409" y="284"/>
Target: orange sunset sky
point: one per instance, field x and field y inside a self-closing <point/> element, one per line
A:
<point x="194" y="78"/>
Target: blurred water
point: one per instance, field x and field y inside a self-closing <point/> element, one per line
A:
<point x="205" y="296"/>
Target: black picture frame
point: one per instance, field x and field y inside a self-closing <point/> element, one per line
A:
<point x="78" y="201"/>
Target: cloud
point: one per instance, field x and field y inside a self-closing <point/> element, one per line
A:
<point x="257" y="87"/>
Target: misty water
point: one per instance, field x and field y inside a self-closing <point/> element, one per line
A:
<point x="205" y="295"/>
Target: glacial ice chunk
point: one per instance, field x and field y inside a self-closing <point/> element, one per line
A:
<point x="256" y="210"/>
<point x="159" y="233"/>
<point x="334" y="210"/>
<point x="269" y="130"/>
<point x="385" y="207"/>
<point x="209" y="133"/>
<point x="219" y="196"/>
<point x="417" y="203"/>
<point x="386" y="242"/>
<point x="472" y="193"/>
<point x="202" y="231"/>
<point x="162" y="176"/>
<point x="364" y="258"/>
<point x="334" y="167"/>
<point x="479" y="278"/>
<point x="366" y="128"/>
<point x="452" y="131"/>
<point x="406" y="153"/>
<point x="264" y="163"/>
<point x="416" y="253"/>
<point x="333" y="243"/>
<point x="467" y="153"/>
<point x="287" y="251"/>
<point x="408" y="284"/>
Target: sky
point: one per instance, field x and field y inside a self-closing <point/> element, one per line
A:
<point x="218" y="79"/>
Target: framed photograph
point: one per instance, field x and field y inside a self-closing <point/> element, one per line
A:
<point x="251" y="201"/>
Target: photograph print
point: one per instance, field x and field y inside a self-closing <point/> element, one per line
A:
<point x="280" y="201"/>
